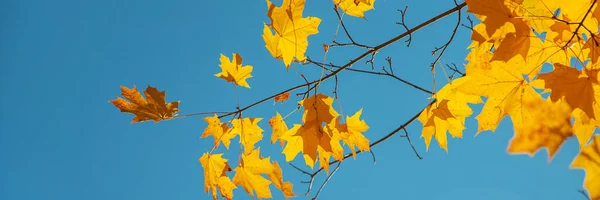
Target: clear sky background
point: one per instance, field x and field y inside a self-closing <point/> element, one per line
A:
<point x="62" y="61"/>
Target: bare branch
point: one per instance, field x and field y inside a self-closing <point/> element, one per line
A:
<point x="403" y="14"/>
<point x="411" y="144"/>
<point x="327" y="180"/>
<point x="385" y="73"/>
<point x="445" y="46"/>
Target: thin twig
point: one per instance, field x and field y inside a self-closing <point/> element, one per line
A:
<point x="385" y="73"/>
<point x="411" y="144"/>
<point x="403" y="14"/>
<point x="445" y="46"/>
<point x="358" y="58"/>
<point x="353" y="43"/>
<point x="327" y="180"/>
<point x="575" y="33"/>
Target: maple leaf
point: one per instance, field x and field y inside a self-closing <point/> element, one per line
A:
<point x="592" y="47"/>
<point x="153" y="108"/>
<point x="588" y="159"/>
<point x="580" y="89"/>
<point x="279" y="128"/>
<point x="282" y="97"/>
<point x="355" y="8"/>
<point x="215" y="178"/>
<point x="220" y="131"/>
<point x="290" y="39"/>
<point x="505" y="89"/>
<point x="351" y="132"/>
<point x="306" y="137"/>
<point x="318" y="108"/>
<point x="447" y="114"/>
<point x="583" y="127"/>
<point x="232" y="70"/>
<point x="276" y="177"/>
<point x="504" y="26"/>
<point x="249" y="131"/>
<point x="330" y="146"/>
<point x="302" y="138"/>
<point x="248" y="174"/>
<point x="550" y="127"/>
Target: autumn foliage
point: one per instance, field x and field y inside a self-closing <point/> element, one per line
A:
<point x="503" y="72"/>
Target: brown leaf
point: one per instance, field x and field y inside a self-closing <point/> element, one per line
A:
<point x="153" y="108"/>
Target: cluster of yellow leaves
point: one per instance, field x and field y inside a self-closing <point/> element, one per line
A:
<point x="319" y="136"/>
<point x="252" y="165"/>
<point x="153" y="108"/>
<point x="504" y="66"/>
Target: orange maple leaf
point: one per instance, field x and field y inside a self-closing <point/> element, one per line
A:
<point x="248" y="174"/>
<point x="290" y="39"/>
<point x="588" y="159"/>
<point x="153" y="108"/>
<point x="215" y="178"/>
<point x="282" y="97"/>
<point x="307" y="137"/>
<point x="232" y="70"/>
<point x="579" y="88"/>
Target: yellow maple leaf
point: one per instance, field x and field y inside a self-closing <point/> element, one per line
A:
<point x="248" y="174"/>
<point x="355" y="8"/>
<point x="329" y="145"/>
<point x="588" y="159"/>
<point x="153" y="108"/>
<point x="249" y="131"/>
<point x="276" y="177"/>
<point x="233" y="71"/>
<point x="447" y="114"/>
<point x="215" y="167"/>
<point x="549" y="127"/>
<point x="279" y="128"/>
<point x="220" y="131"/>
<point x="290" y="39"/>
<point x="583" y="127"/>
<point x="505" y="88"/>
<point x="351" y="132"/>
<point x="580" y="89"/>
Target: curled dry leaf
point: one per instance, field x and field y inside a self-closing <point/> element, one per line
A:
<point x="282" y="97"/>
<point x="153" y="108"/>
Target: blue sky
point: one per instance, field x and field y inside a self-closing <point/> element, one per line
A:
<point x="63" y="60"/>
